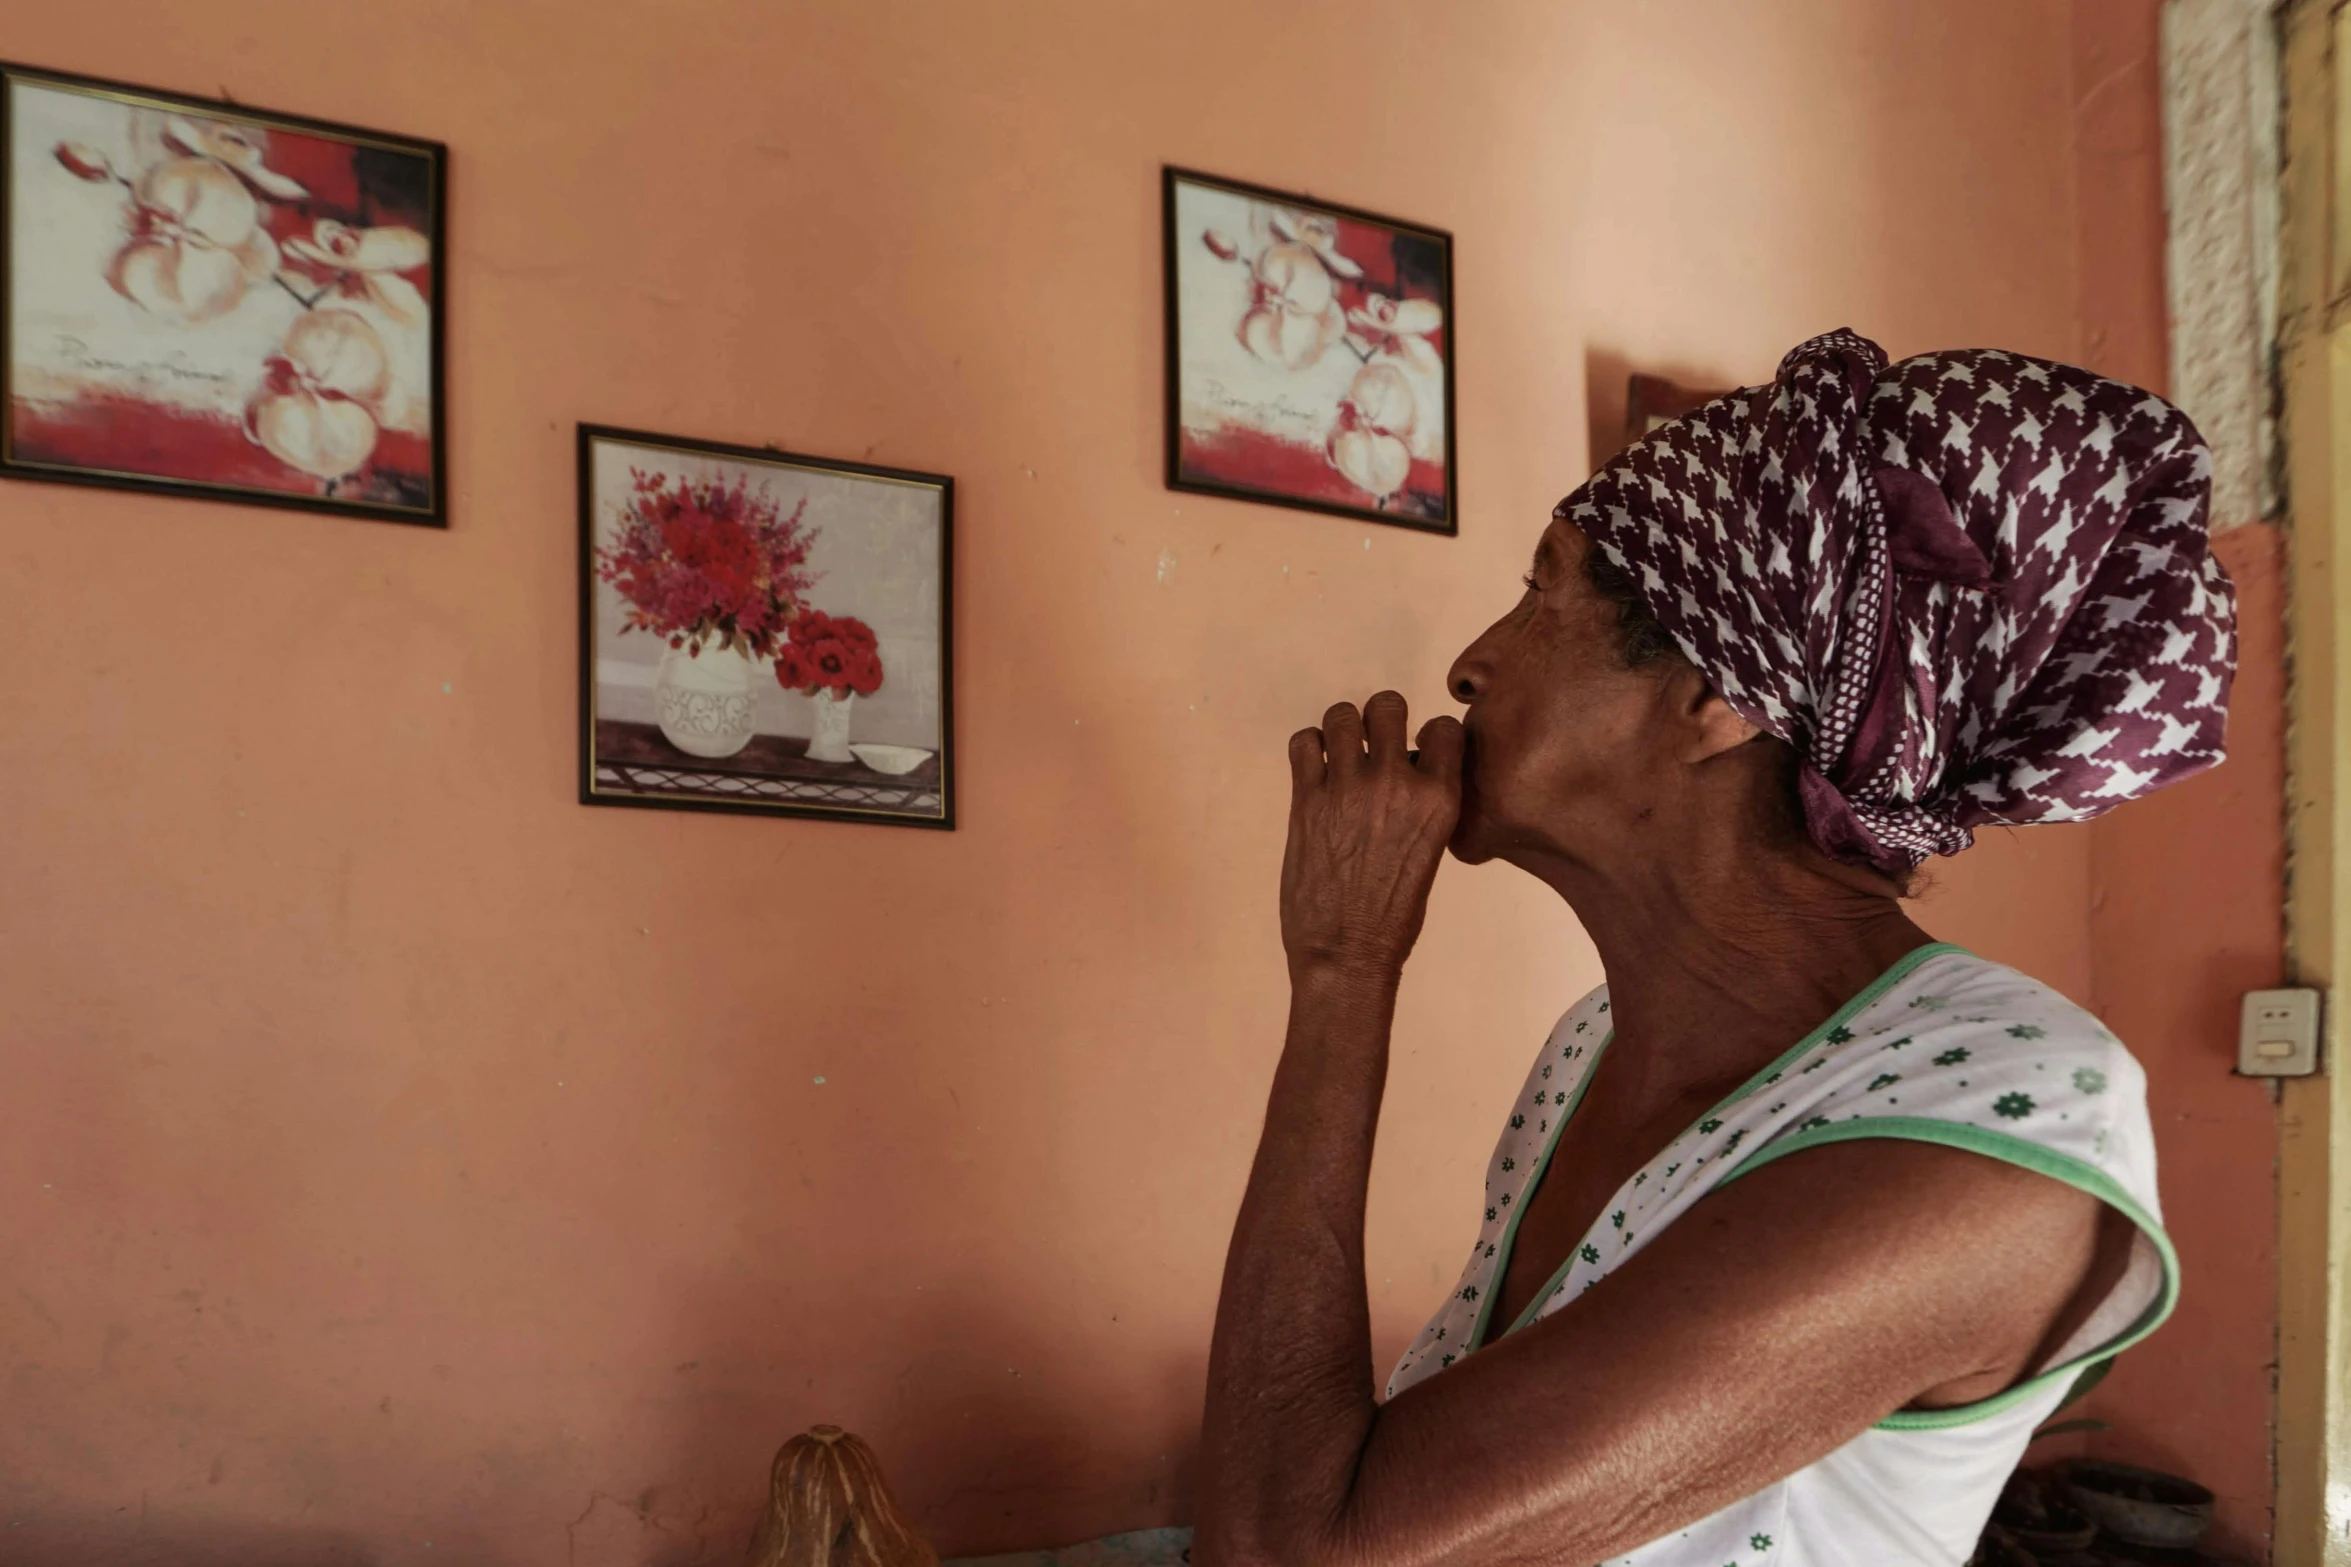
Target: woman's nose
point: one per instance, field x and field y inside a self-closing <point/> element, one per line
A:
<point x="1467" y="678"/>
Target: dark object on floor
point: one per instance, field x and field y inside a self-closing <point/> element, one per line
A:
<point x="2038" y="1514"/>
<point x="828" y="1506"/>
<point x="1998" y="1549"/>
<point x="2142" y="1506"/>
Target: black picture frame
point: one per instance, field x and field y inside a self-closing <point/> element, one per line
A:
<point x="433" y="511"/>
<point x="1172" y="177"/>
<point x="619" y="794"/>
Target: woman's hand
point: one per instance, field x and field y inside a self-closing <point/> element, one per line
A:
<point x="1368" y="825"/>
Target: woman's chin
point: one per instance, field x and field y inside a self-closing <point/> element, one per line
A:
<point x="1471" y="843"/>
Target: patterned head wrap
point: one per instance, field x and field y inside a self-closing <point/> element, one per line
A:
<point x="1971" y="587"/>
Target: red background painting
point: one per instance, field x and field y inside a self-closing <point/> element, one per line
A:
<point x="1253" y="459"/>
<point x="121" y="432"/>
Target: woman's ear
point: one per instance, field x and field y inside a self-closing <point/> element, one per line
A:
<point x="1711" y="726"/>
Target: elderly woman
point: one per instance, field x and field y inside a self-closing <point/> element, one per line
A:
<point x="1804" y="1220"/>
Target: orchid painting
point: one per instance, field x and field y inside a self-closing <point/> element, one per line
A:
<point x="203" y="299"/>
<point x="1309" y="353"/>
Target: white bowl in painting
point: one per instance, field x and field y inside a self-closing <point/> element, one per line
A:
<point x="891" y="759"/>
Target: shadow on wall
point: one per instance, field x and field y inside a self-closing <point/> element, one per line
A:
<point x="122" y="1540"/>
<point x="1608" y="396"/>
<point x="1607" y="374"/>
<point x="975" y="1456"/>
<point x="975" y="1459"/>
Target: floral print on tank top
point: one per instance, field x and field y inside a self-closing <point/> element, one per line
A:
<point x="1945" y="1047"/>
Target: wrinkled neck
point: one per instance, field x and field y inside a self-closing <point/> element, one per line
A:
<point x="1721" y="954"/>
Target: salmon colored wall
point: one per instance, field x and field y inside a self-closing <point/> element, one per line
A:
<point x="2187" y="888"/>
<point x="2186" y="900"/>
<point x="407" y="1165"/>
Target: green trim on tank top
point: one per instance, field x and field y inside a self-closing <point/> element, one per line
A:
<point x="1508" y="1245"/>
<point x="2009" y="1149"/>
<point x="1903" y="967"/>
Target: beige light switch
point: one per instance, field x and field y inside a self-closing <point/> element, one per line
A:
<point x="2279" y="1034"/>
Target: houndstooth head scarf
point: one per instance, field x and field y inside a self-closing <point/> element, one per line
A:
<point x="1971" y="587"/>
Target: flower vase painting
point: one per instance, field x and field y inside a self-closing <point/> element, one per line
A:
<point x="1309" y="354"/>
<point x="204" y="299"/>
<point x="763" y="633"/>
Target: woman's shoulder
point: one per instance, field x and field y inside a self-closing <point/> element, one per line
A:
<point x="1957" y="1048"/>
<point x="2004" y="1018"/>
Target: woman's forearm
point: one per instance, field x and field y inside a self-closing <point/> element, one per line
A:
<point x="1291" y="1398"/>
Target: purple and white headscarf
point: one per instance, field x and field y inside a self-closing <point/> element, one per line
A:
<point x="1971" y="587"/>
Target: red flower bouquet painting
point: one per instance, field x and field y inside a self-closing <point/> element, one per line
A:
<point x="762" y="633"/>
<point x="209" y="300"/>
<point x="1309" y="354"/>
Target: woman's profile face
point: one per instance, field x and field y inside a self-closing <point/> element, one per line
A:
<point x="1568" y="747"/>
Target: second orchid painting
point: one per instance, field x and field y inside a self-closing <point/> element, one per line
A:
<point x="1309" y="354"/>
<point x="210" y="300"/>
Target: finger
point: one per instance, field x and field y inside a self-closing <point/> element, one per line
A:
<point x="1342" y="735"/>
<point x="1442" y="742"/>
<point x="1305" y="760"/>
<point x="1383" y="722"/>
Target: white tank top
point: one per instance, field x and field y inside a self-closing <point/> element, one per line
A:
<point x="1944" y="1048"/>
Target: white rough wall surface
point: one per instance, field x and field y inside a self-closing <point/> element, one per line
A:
<point x="2220" y="177"/>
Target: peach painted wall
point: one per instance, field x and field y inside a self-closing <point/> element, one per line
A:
<point x="404" y="1164"/>
<point x="2186" y="898"/>
<point x="2187" y="889"/>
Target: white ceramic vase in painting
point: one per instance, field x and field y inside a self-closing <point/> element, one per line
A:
<point x="830" y="742"/>
<point x="705" y="702"/>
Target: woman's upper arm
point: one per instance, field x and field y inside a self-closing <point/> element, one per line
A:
<point x="1775" y="1321"/>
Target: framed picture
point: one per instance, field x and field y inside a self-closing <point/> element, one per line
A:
<point x="206" y="299"/>
<point x="1309" y="354"/>
<point x="1652" y="401"/>
<point x="763" y="633"/>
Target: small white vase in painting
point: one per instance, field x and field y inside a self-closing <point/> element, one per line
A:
<point x="705" y="702"/>
<point x="830" y="743"/>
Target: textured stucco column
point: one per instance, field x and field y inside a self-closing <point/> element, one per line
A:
<point x="2220" y="151"/>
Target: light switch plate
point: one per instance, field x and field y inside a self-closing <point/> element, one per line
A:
<point x="2279" y="1034"/>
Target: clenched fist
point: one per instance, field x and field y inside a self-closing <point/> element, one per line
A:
<point x="1368" y="826"/>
